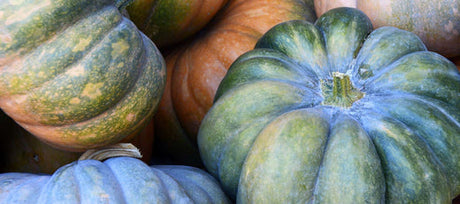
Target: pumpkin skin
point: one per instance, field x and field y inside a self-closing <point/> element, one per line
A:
<point x="195" y="69"/>
<point x="77" y="74"/>
<point x="437" y="23"/>
<point x="334" y="112"/>
<point x="116" y="180"/>
<point x="21" y="151"/>
<point x="167" y="22"/>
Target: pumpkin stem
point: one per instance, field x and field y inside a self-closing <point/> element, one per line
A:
<point x="116" y="150"/>
<point x="340" y="91"/>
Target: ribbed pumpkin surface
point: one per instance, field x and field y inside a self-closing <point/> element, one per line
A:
<point x="116" y="180"/>
<point x="195" y="70"/>
<point x="21" y="151"/>
<point x="336" y="112"/>
<point x="168" y="22"/>
<point x="77" y="74"/>
<point x="437" y="23"/>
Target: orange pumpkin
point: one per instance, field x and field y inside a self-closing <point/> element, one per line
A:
<point x="195" y="70"/>
<point x="437" y="23"/>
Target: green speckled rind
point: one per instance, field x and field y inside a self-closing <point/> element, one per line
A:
<point x="116" y="180"/>
<point x="168" y="22"/>
<point x="376" y="54"/>
<point x="305" y="45"/>
<point x="89" y="82"/>
<point x="52" y="57"/>
<point x="436" y="77"/>
<point x="411" y="170"/>
<point x="351" y="171"/>
<point x="265" y="64"/>
<point x="310" y="170"/>
<point x="434" y="126"/>
<point x="165" y="19"/>
<point x="398" y="143"/>
<point x="25" y="24"/>
<point x="242" y="125"/>
<point x="345" y="29"/>
<point x="292" y="173"/>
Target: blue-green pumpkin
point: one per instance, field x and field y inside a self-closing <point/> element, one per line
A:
<point x="336" y="112"/>
<point x="76" y="73"/>
<point x="118" y="179"/>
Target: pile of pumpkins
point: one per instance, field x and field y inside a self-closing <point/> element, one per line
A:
<point x="229" y="101"/>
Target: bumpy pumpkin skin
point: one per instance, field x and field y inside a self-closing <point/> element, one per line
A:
<point x="116" y="180"/>
<point x="195" y="70"/>
<point x="286" y="126"/>
<point x="77" y="74"/>
<point x="167" y="22"/>
<point x="437" y="23"/>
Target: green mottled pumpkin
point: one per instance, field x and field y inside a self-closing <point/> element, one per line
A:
<point x="168" y="22"/>
<point x="195" y="69"/>
<point x="116" y="180"/>
<point x="336" y="112"/>
<point x="77" y="74"/>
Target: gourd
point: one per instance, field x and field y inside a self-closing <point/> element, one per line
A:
<point x="120" y="178"/>
<point x="167" y="22"/>
<point x="77" y="74"/>
<point x="437" y="23"/>
<point x="336" y="112"/>
<point x="195" y="69"/>
<point x="21" y="151"/>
